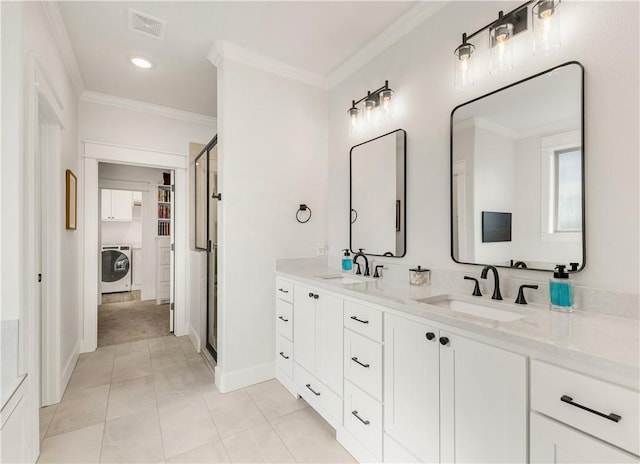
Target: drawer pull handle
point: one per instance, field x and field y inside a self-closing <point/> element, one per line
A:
<point x="283" y="355"/>
<point x="359" y="320"/>
<point x="365" y="422"/>
<point x="312" y="390"/>
<point x="355" y="360"/>
<point x="283" y="290"/>
<point x="283" y="319"/>
<point x="612" y="417"/>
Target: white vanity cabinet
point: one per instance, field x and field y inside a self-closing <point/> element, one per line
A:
<point x="448" y="398"/>
<point x="284" y="331"/>
<point x="317" y="351"/>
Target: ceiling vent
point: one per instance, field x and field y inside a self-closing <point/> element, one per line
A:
<point x="147" y="24"/>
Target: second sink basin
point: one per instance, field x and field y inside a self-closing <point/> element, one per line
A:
<point x="474" y="309"/>
<point x="342" y="279"/>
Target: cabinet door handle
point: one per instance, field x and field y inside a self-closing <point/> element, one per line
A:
<point x="430" y="336"/>
<point x="283" y="290"/>
<point x="355" y="360"/>
<point x="312" y="390"/>
<point x="283" y="319"/>
<point x="365" y="422"/>
<point x="283" y="355"/>
<point x="444" y="341"/>
<point x="310" y="294"/>
<point x="316" y="296"/>
<point x="612" y="417"/>
<point x="359" y="320"/>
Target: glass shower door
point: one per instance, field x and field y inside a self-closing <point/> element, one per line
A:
<point x="212" y="252"/>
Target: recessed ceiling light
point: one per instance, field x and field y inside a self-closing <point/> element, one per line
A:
<point x="141" y="62"/>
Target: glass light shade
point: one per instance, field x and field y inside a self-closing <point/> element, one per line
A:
<point x="385" y="101"/>
<point x="369" y="106"/>
<point x="353" y="120"/>
<point x="501" y="50"/>
<point x="463" y="69"/>
<point x="546" y="27"/>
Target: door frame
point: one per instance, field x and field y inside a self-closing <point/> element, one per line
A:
<point x="93" y="153"/>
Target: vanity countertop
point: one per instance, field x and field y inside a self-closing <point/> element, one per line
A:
<point x="595" y="344"/>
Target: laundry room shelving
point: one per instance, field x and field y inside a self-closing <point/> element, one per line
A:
<point x="164" y="210"/>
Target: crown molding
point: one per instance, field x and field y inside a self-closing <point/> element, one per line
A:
<point x="59" y="30"/>
<point x="99" y="98"/>
<point x="396" y="30"/>
<point x="226" y="50"/>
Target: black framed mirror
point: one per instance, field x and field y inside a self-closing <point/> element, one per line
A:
<point x="517" y="174"/>
<point x="378" y="195"/>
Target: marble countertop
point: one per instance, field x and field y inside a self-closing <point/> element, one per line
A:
<point x="595" y="344"/>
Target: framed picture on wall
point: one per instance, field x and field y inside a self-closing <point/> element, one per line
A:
<point x="72" y="201"/>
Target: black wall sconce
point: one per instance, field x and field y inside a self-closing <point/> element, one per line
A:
<point x="375" y="101"/>
<point x="302" y="212"/>
<point x="546" y="30"/>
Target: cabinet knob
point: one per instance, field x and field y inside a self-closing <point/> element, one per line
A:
<point x="430" y="335"/>
<point x="444" y="341"/>
<point x="310" y="295"/>
<point x="316" y="296"/>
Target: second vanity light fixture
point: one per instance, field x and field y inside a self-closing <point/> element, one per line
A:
<point x="375" y="102"/>
<point x="546" y="30"/>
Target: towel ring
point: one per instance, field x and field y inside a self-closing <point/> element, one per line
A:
<point x="301" y="209"/>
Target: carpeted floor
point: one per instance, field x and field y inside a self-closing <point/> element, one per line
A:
<point x="131" y="321"/>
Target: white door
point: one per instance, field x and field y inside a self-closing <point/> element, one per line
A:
<point x="552" y="442"/>
<point x="329" y="328"/>
<point x="172" y="259"/>
<point x="121" y="205"/>
<point x="483" y="401"/>
<point x="304" y="327"/>
<point x="105" y="208"/>
<point x="411" y="386"/>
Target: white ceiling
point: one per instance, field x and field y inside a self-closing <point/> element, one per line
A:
<point x="313" y="36"/>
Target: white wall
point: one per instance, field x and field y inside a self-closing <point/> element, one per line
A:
<point x="272" y="157"/>
<point x="419" y="68"/>
<point x="26" y="32"/>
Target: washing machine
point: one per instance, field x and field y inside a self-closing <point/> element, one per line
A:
<point x="116" y="268"/>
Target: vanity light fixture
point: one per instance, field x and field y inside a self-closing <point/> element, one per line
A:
<point x="141" y="62"/>
<point x="546" y="29"/>
<point x="374" y="102"/>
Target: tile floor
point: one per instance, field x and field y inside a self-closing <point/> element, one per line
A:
<point x="155" y="401"/>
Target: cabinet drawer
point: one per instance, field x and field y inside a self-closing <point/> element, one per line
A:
<point x="553" y="389"/>
<point x="552" y="442"/>
<point x="317" y="394"/>
<point x="363" y="319"/>
<point x="363" y="363"/>
<point x="363" y="418"/>
<point x="284" y="290"/>
<point x="284" y="355"/>
<point x="284" y="318"/>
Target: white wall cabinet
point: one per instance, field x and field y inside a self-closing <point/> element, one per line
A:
<point x="117" y="205"/>
<point x="452" y="399"/>
<point x="163" y="275"/>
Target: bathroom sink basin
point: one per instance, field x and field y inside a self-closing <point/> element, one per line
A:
<point x="478" y="309"/>
<point x="342" y="279"/>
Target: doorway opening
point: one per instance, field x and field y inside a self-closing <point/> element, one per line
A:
<point x="136" y="237"/>
<point x="206" y="198"/>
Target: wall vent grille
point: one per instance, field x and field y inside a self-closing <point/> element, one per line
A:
<point x="147" y="24"/>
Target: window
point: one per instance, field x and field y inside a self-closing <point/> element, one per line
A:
<point x="568" y="190"/>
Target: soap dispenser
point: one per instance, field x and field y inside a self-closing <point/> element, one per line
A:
<point x="560" y="290"/>
<point x="347" y="264"/>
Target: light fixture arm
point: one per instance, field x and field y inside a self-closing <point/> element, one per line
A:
<point x="501" y="16"/>
<point x="370" y="93"/>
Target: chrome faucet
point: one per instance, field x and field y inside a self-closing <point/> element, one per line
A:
<point x="366" y="262"/>
<point x="496" y="281"/>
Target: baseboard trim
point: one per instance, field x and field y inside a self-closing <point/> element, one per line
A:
<point x="195" y="339"/>
<point x="354" y="447"/>
<point x="68" y="368"/>
<point x="230" y="381"/>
